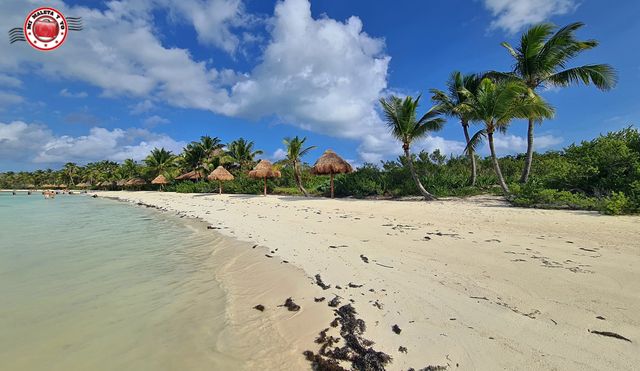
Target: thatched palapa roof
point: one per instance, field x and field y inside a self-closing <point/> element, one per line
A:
<point x="160" y="179"/>
<point x="331" y="163"/>
<point x="192" y="175"/>
<point x="264" y="169"/>
<point x="121" y="182"/>
<point x="135" y="182"/>
<point x="220" y="173"/>
<point x="83" y="185"/>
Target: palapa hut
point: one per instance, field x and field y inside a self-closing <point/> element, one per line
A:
<point x="135" y="182"/>
<point x="192" y="175"/>
<point x="264" y="170"/>
<point x="121" y="183"/>
<point x="160" y="180"/>
<point x="220" y="174"/>
<point x="106" y="184"/>
<point x="330" y="163"/>
<point x="83" y="185"/>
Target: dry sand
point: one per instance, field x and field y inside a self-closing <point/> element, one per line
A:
<point x="473" y="283"/>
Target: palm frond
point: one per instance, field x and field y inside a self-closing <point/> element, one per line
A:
<point x="476" y="140"/>
<point x="603" y="76"/>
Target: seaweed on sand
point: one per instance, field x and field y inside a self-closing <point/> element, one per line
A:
<point x="356" y="350"/>
<point x="289" y="304"/>
<point x="320" y="283"/>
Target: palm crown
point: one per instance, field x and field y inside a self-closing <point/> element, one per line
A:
<point x="401" y="118"/>
<point x="295" y="150"/>
<point x="542" y="58"/>
<point x="241" y="152"/>
<point x="497" y="103"/>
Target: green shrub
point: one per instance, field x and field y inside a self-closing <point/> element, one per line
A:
<point x="287" y="191"/>
<point x="534" y="195"/>
<point x="365" y="182"/>
<point x="193" y="187"/>
<point x="242" y="184"/>
<point x="615" y="204"/>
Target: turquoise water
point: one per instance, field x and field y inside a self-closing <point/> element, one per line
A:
<point x="92" y="284"/>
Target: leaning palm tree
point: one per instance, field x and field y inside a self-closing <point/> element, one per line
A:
<point x="159" y="161"/>
<point x="71" y="171"/>
<point x="496" y="104"/>
<point x="295" y="152"/>
<point x="451" y="103"/>
<point x="541" y="60"/>
<point x="401" y="119"/>
<point x="241" y="153"/>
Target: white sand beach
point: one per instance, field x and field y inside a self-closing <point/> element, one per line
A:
<point x="472" y="284"/>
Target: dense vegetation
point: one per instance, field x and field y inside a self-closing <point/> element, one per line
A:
<point x="602" y="174"/>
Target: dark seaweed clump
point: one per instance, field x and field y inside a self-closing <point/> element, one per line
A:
<point x="289" y="304"/>
<point x="320" y="283"/>
<point x="356" y="349"/>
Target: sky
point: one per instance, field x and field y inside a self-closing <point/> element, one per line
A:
<point x="161" y="73"/>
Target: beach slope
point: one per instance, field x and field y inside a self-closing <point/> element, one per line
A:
<point x="473" y="283"/>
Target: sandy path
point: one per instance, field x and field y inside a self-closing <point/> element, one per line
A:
<point x="471" y="283"/>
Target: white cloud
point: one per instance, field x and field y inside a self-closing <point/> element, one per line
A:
<point x="8" y="99"/>
<point x="142" y="107"/>
<point x="513" y="15"/>
<point x="318" y="74"/>
<point x="67" y="94"/>
<point x="155" y="120"/>
<point x="9" y="81"/>
<point x="511" y="144"/>
<point x="22" y="143"/>
<point x="376" y="148"/>
<point x="213" y="20"/>
<point x="279" y="154"/>
<point x="134" y="64"/>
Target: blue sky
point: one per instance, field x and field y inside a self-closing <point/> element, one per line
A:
<point x="146" y="73"/>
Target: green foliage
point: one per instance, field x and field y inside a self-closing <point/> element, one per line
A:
<point x="245" y="185"/>
<point x="616" y="204"/>
<point x="368" y="181"/>
<point x="533" y="194"/>
<point x="193" y="187"/>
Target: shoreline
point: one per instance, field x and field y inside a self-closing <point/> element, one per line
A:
<point x="478" y="294"/>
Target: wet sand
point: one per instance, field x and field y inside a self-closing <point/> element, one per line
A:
<point x="468" y="283"/>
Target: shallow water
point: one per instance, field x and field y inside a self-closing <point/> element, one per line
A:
<point x="92" y="284"/>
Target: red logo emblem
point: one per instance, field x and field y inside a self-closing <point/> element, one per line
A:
<point x="45" y="29"/>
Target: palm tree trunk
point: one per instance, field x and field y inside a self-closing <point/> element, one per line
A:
<point x="427" y="196"/>
<point x="496" y="165"/>
<point x="220" y="187"/>
<point x="298" y="179"/>
<point x="529" y="159"/>
<point x="471" y="154"/>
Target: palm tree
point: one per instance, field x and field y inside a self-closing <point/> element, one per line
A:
<point x="541" y="59"/>
<point x="295" y="152"/>
<point x="401" y="119"/>
<point x="210" y="145"/>
<point x="71" y="170"/>
<point x="129" y="169"/>
<point x="159" y="161"/>
<point x="496" y="104"/>
<point x="241" y="152"/>
<point x="451" y="103"/>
